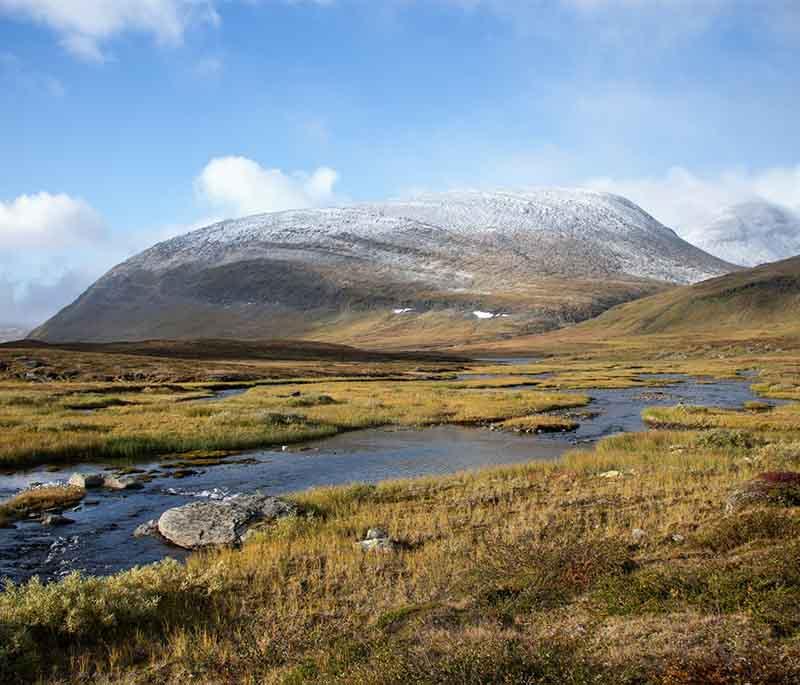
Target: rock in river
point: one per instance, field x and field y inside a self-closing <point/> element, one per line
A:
<point x="56" y="520"/>
<point x="86" y="480"/>
<point x="146" y="529"/>
<point x="226" y="522"/>
<point x="121" y="483"/>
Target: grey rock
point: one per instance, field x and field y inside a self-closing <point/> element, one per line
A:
<point x="86" y="480"/>
<point x="121" y="483"/>
<point x="378" y="545"/>
<point x="215" y="523"/>
<point x="377" y="540"/>
<point x="56" y="520"/>
<point x="637" y="535"/>
<point x="146" y="529"/>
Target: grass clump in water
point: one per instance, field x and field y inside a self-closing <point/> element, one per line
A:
<point x="38" y="500"/>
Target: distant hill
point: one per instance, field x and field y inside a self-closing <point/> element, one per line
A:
<point x="11" y="332"/>
<point x="750" y="233"/>
<point x="766" y="296"/>
<point x="452" y="267"/>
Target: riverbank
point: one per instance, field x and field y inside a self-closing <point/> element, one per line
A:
<point x="617" y="565"/>
<point x="99" y="535"/>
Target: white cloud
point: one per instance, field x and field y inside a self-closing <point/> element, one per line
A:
<point x="85" y="25"/>
<point x="51" y="247"/>
<point x="28" y="303"/>
<point x="48" y="221"/>
<point x="239" y="186"/>
<point x="683" y="200"/>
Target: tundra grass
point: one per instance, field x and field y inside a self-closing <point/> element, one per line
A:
<point x="524" y="574"/>
<point x="42" y="427"/>
<point x="784" y="418"/>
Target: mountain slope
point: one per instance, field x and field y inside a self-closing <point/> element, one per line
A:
<point x="750" y="233"/>
<point x="767" y="296"/>
<point x="453" y="266"/>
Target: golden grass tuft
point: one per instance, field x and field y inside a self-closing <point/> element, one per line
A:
<point x="38" y="500"/>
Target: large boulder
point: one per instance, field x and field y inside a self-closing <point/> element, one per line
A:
<point x="225" y="522"/>
<point x="777" y="488"/>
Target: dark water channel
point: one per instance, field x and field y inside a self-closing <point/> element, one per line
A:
<point x="100" y="541"/>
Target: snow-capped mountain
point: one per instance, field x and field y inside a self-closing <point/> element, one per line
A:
<point x="277" y="274"/>
<point x="750" y="233"/>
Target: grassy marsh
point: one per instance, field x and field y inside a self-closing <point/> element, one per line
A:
<point x="524" y="574"/>
<point x="52" y="424"/>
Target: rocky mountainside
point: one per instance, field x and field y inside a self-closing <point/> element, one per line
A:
<point x="750" y="233"/>
<point x="462" y="264"/>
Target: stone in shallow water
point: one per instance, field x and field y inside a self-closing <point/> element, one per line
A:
<point x="121" y="483"/>
<point x="226" y="522"/>
<point x="56" y="520"/>
<point x="146" y="529"/>
<point x="86" y="480"/>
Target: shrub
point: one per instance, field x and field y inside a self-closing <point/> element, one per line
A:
<point x="765" y="585"/>
<point x="721" y="438"/>
<point x="535" y="575"/>
<point x="735" y="531"/>
<point x="37" y="618"/>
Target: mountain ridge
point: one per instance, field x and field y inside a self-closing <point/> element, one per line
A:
<point x="516" y="256"/>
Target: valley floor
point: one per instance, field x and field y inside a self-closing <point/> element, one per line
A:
<point x="628" y="562"/>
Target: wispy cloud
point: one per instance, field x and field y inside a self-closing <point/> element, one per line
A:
<point x="686" y="201"/>
<point x="85" y="26"/>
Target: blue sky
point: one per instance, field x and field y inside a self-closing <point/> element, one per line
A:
<point x="126" y="121"/>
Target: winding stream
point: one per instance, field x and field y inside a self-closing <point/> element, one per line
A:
<point x="100" y="541"/>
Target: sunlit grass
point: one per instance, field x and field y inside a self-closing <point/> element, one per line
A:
<point x="38" y="500"/>
<point x="58" y="426"/>
<point x="520" y="555"/>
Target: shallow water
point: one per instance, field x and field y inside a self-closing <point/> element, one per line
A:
<point x="100" y="539"/>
